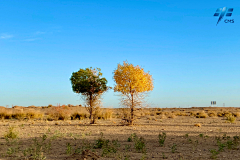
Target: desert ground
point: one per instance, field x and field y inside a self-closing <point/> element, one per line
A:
<point x="158" y="133"/>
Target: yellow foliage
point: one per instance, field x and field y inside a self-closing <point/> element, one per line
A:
<point x="132" y="79"/>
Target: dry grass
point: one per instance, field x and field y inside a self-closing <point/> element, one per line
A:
<point x="231" y="119"/>
<point x="80" y="116"/>
<point x="19" y="114"/>
<point x="201" y="114"/>
<point x="236" y="114"/>
<point x="34" y="115"/>
<point x="193" y="113"/>
<point x="162" y="116"/>
<point x="171" y="115"/>
<point x="59" y="113"/>
<point x="180" y="113"/>
<point x="212" y="114"/>
<point x="108" y="114"/>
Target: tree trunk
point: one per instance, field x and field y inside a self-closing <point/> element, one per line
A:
<point x="131" y="121"/>
<point x="91" y="110"/>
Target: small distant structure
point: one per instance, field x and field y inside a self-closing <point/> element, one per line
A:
<point x="213" y="103"/>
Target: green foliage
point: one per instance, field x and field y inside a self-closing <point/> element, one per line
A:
<point x="127" y="147"/>
<point x="88" y="81"/>
<point x="214" y="153"/>
<point x="221" y="146"/>
<point x="201" y="135"/>
<point x="90" y="85"/>
<point x="37" y="149"/>
<point x="162" y="138"/>
<point x="230" y="144"/>
<point x="11" y="134"/>
<point x="133" y="136"/>
<point x="57" y="134"/>
<point x="225" y="137"/>
<point x="195" y="144"/>
<point x="109" y="148"/>
<point x="12" y="150"/>
<point x="69" y="149"/>
<point x="139" y="144"/>
<point x="163" y="156"/>
<point x="174" y="148"/>
<point x="101" y="141"/>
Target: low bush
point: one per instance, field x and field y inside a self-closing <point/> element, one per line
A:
<point x="11" y="133"/>
<point x="59" y="113"/>
<point x="79" y="116"/>
<point x="161" y="138"/>
<point x="201" y="114"/>
<point x="212" y="114"/>
<point x="231" y="119"/>
<point x="19" y="115"/>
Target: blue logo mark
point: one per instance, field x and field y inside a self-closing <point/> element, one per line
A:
<point x="221" y="12"/>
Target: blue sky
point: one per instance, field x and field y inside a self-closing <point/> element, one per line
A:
<point x="192" y="61"/>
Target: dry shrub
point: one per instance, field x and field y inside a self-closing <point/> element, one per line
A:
<point x="60" y="113"/>
<point x="49" y="106"/>
<point x="166" y="113"/>
<point x="154" y="118"/>
<point x="8" y="115"/>
<point x="171" y="115"/>
<point x="108" y="114"/>
<point x="212" y="113"/>
<point x="147" y="113"/>
<point x="153" y="114"/>
<point x="227" y="114"/>
<point x="3" y="113"/>
<point x="162" y="116"/>
<point x="34" y="115"/>
<point x="201" y="114"/>
<point x="193" y="113"/>
<point x="198" y="125"/>
<point x="98" y="114"/>
<point x="158" y="113"/>
<point x="180" y="113"/>
<point x="138" y="115"/>
<point x="19" y="115"/>
<point x="231" y="119"/>
<point x="220" y="114"/>
<point x="125" y="113"/>
<point x="149" y="117"/>
<point x="236" y="114"/>
<point x="79" y="116"/>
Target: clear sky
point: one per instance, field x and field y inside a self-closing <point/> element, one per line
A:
<point x="192" y="61"/>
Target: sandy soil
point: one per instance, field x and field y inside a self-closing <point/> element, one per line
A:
<point x="192" y="142"/>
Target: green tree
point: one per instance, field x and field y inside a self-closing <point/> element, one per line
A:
<point x="90" y="84"/>
<point x="132" y="82"/>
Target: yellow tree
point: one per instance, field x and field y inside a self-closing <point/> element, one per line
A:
<point x="132" y="81"/>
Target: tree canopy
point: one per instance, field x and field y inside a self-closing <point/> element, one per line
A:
<point x="88" y="81"/>
<point x="131" y="81"/>
<point x="90" y="84"/>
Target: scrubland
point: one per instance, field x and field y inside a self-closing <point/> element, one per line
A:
<point x="64" y="132"/>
